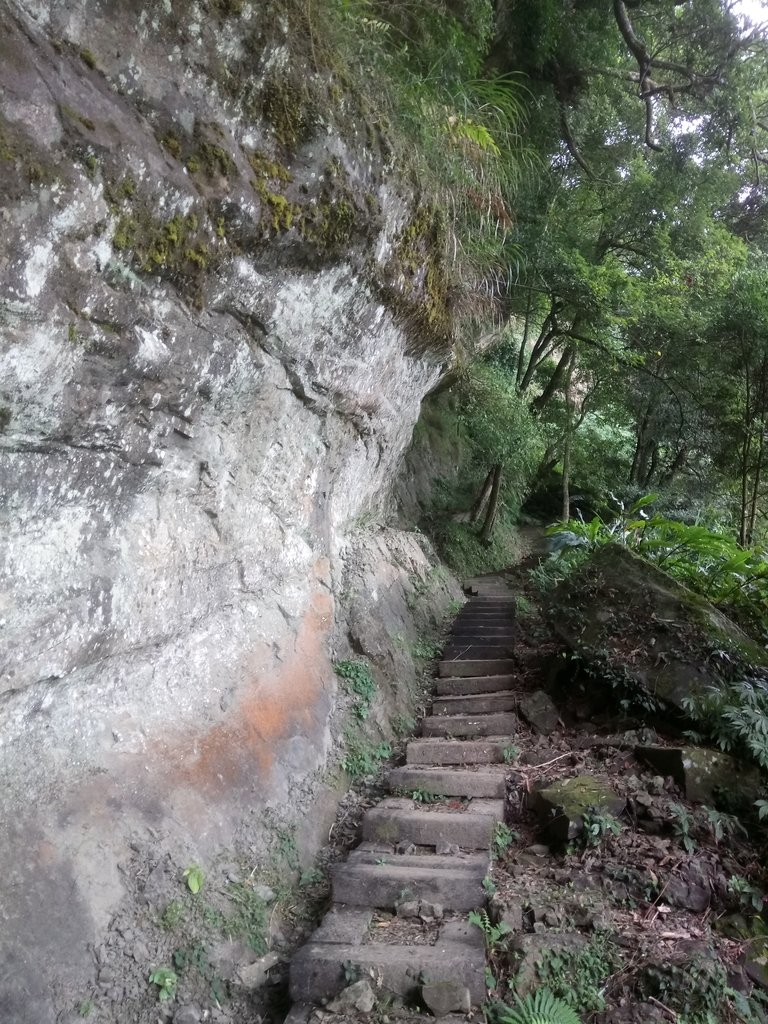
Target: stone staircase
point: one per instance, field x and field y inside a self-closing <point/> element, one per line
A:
<point x="398" y="922"/>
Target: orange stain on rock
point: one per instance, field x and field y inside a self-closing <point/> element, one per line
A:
<point x="283" y="699"/>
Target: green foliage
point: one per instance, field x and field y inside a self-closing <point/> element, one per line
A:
<point x="598" y="825"/>
<point x="166" y="980"/>
<point x="735" y="716"/>
<point x="194" y="878"/>
<point x="359" y="683"/>
<point x="172" y="916"/>
<point x="748" y="895"/>
<point x="510" y="753"/>
<point x="363" y="757"/>
<point x="708" y="562"/>
<point x="423" y="796"/>
<point x="541" y="1007"/>
<point x="503" y="838"/>
<point x="250" y="918"/>
<point x="682" y="824"/>
<point x="578" y="976"/>
<point x="427" y="649"/>
<point x="695" y="989"/>
<point x="495" y="934"/>
<point x="457" y="128"/>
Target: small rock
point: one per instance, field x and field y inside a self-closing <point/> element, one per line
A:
<point x="140" y="952"/>
<point x="657" y="785"/>
<point x="538" y="850"/>
<point x="264" y="893"/>
<point x="444" y="997"/>
<point x="447" y="850"/>
<point x="359" y="996"/>
<point x="409" y="908"/>
<point x="106" y="977"/>
<point x="644" y="799"/>
<point x="512" y="916"/>
<point x="255" y="975"/>
<point x="188" y="1014"/>
<point x="405" y="849"/>
<point x="431" y="911"/>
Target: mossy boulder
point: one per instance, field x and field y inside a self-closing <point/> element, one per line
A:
<point x="562" y="805"/>
<point x="635" y="626"/>
<point x="706" y="776"/>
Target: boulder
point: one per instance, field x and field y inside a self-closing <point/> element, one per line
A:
<point x="706" y="776"/>
<point x="358" y="997"/>
<point x="635" y="625"/>
<point x="561" y="805"/>
<point x="444" y="997"/>
<point x="535" y="948"/>
<point x="539" y="712"/>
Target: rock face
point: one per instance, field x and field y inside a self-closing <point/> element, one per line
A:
<point x="201" y="396"/>
<point x="706" y="776"/>
<point x="633" y="623"/>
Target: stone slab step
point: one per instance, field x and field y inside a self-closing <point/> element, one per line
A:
<point x="485" y="615"/>
<point x="473" y="863"/>
<point x="466" y="685"/>
<point x="385" y="884"/>
<point x="462" y="652"/>
<point x="491" y="632"/>
<point x="446" y="752"/>
<point x="477" y="627"/>
<point x="502" y="611"/>
<point x="479" y="667"/>
<point x="318" y="969"/>
<point x="471" y="829"/>
<point x="475" y="703"/>
<point x="449" y="781"/>
<point x="500" y="724"/>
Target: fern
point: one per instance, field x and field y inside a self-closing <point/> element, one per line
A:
<point x="541" y="1008"/>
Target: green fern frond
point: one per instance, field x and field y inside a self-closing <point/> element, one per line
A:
<point x="541" y="1008"/>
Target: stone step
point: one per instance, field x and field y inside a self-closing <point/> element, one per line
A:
<point x="480" y="622"/>
<point x="475" y="703"/>
<point x="461" y="652"/>
<point x="463" y="686"/>
<point x="396" y="821"/>
<point x="479" y="667"/>
<point x="383" y="885"/>
<point x="318" y="969"/>
<point x="374" y="853"/>
<point x="449" y="781"/>
<point x="491" y="632"/>
<point x="499" y="724"/>
<point x="445" y="752"/>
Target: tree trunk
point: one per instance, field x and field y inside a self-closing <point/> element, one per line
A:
<point x="482" y="497"/>
<point x="524" y="343"/>
<point x="555" y="380"/>
<point x="493" y="507"/>
<point x="567" y="441"/>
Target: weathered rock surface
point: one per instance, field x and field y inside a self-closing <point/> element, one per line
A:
<point x="539" y="711"/>
<point x="626" y="617"/>
<point x="561" y="805"/>
<point x="706" y="776"/>
<point x="201" y="395"/>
